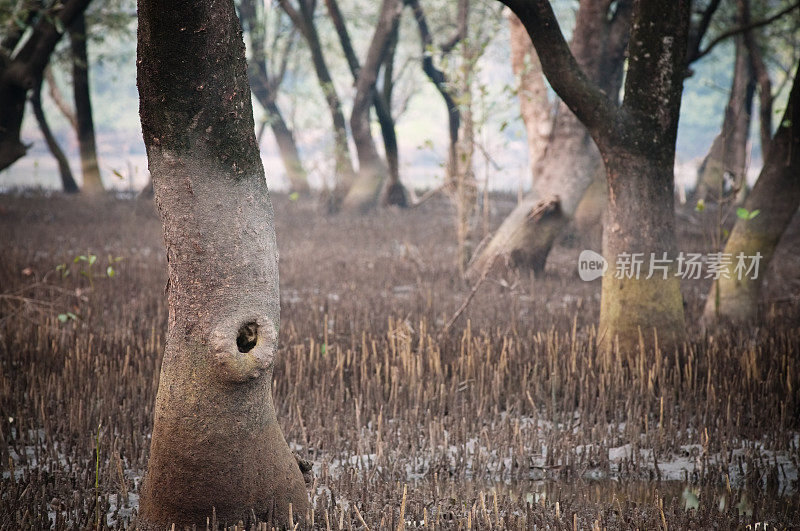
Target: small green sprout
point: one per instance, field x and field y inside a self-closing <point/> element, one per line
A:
<point x="743" y="213"/>
<point x="700" y="206"/>
<point x="67" y="316"/>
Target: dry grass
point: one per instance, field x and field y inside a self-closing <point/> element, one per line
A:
<point x="511" y="419"/>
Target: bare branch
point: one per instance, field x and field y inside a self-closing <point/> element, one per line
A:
<point x="584" y="98"/>
<point x="35" y="54"/>
<point x="297" y="18"/>
<point x="434" y="74"/>
<point x="58" y="98"/>
<point x="741" y="29"/>
<point x="344" y="37"/>
<point x="700" y="30"/>
<point x="284" y="64"/>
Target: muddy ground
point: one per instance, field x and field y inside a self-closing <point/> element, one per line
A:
<point x="510" y="419"/>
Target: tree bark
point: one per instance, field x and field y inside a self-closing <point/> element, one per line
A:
<point x="92" y="182"/>
<point x="216" y="443"/>
<point x="460" y="177"/>
<point x="365" y="190"/>
<point x="640" y="175"/>
<point x="532" y="92"/>
<point x="571" y="159"/>
<point x="67" y="181"/>
<point x="395" y="193"/>
<point x="265" y="85"/>
<point x="19" y="74"/>
<point x="728" y="153"/>
<point x="465" y="193"/>
<point x="764" y="82"/>
<point x="588" y="215"/>
<point x="637" y="143"/>
<point x="776" y="195"/>
<point x="303" y="19"/>
<point x="58" y="98"/>
<point x="287" y="147"/>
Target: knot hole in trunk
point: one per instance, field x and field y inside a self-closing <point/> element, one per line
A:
<point x="247" y="337"/>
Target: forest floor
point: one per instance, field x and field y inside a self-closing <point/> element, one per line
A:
<point x="509" y="419"/>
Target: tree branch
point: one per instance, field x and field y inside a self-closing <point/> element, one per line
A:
<point x="344" y="37"/>
<point x="436" y="76"/>
<point x="700" y="30"/>
<point x="21" y="18"/>
<point x="742" y="29"/>
<point x="284" y="64"/>
<point x="35" y="54"/>
<point x="584" y="98"/>
<point x="58" y="98"/>
<point x="296" y="18"/>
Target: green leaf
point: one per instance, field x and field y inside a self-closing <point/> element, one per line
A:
<point x="725" y="233"/>
<point x="80" y="258"/>
<point x="62" y="317"/>
<point x="294" y="196"/>
<point x="700" y="206"/>
<point x="753" y="214"/>
<point x="110" y="272"/>
<point x="742" y="213"/>
<point x="72" y="316"/>
<point x="92" y="259"/>
<point x="117" y="173"/>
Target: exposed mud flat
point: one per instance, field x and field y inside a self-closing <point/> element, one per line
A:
<point x="511" y="419"/>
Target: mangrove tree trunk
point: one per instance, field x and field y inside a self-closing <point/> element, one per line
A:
<point x="216" y="445"/>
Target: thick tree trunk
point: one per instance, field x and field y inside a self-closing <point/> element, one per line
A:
<point x="372" y="171"/>
<point x="216" y="443"/>
<point x="728" y="153"/>
<point x="776" y="195"/>
<point x="640" y="224"/>
<point x="637" y="141"/>
<point x="571" y="159"/>
<point x="303" y="18"/>
<point x="19" y="75"/>
<point x="634" y="309"/>
<point x="67" y="181"/>
<point x="92" y="182"/>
